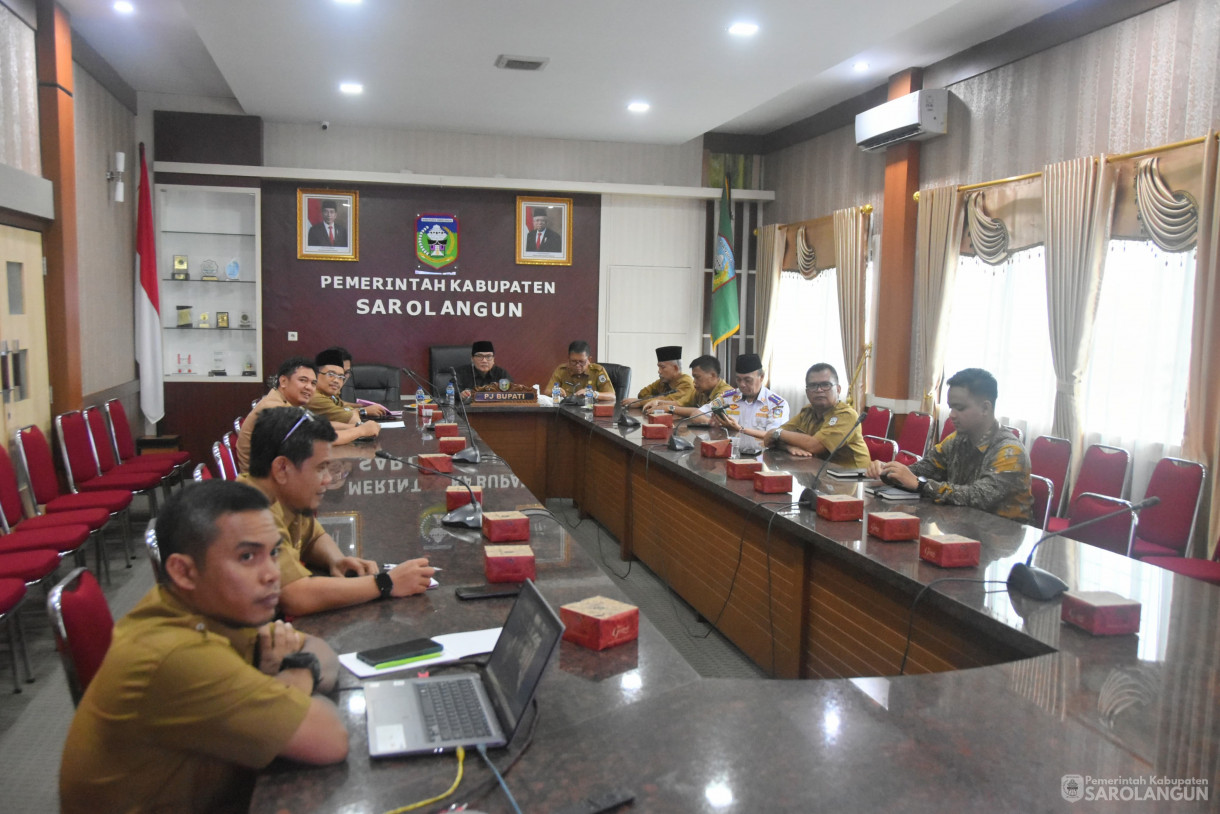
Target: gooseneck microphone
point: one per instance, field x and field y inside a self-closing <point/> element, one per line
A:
<point x="470" y="515"/>
<point x="677" y="444"/>
<point x="1037" y="583"/>
<point x="809" y="495"/>
<point x="469" y="455"/>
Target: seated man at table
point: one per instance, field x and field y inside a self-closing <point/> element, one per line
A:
<point x="705" y="373"/>
<point x="327" y="405"/>
<point x="295" y="384"/>
<point x="579" y="374"/>
<point x="482" y="370"/>
<point x="672" y="387"/>
<point x="751" y="408"/>
<point x="824" y="423"/>
<point x="364" y="410"/>
<point x="199" y="687"/>
<point x="290" y="463"/>
<point x="980" y="464"/>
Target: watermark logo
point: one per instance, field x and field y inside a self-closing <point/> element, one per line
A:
<point x="1133" y="788"/>
<point x="1072" y="787"/>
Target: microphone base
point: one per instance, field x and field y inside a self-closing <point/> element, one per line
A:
<point x="625" y="420"/>
<point x="469" y="455"/>
<point x="1035" y="583"/>
<point x="678" y="444"/>
<point x="469" y="516"/>
<point x="808" y="498"/>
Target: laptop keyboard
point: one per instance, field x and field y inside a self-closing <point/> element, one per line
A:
<point x="452" y="710"/>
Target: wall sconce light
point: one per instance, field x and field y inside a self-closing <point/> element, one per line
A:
<point x="116" y="175"/>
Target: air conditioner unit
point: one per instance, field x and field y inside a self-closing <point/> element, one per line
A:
<point x="914" y="117"/>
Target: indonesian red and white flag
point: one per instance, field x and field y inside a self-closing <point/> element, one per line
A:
<point x="148" y="306"/>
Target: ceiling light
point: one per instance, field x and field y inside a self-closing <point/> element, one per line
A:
<point x="351" y="87"/>
<point x="743" y="29"/>
<point x="859" y="66"/>
<point x="123" y="7"/>
<point x="638" y="107"/>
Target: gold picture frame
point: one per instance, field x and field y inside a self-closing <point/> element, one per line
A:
<point x="548" y="243"/>
<point x="313" y="242"/>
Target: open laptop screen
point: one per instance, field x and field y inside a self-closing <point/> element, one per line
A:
<point x="531" y="634"/>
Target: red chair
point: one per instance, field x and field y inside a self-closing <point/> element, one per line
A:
<point x="83" y="628"/>
<point x="1206" y="570"/>
<point x="82" y="467"/>
<point x="1103" y="472"/>
<point x="1114" y="534"/>
<point x="201" y="473"/>
<point x="1167" y="528"/>
<point x="125" y="444"/>
<point x="107" y="457"/>
<point x="31" y="567"/>
<point x="947" y="429"/>
<point x="1044" y="495"/>
<point x="877" y="422"/>
<point x="38" y="468"/>
<point x="1015" y="431"/>
<point x="915" y="433"/>
<point x="880" y="449"/>
<point x="1050" y="458"/>
<point x="237" y="424"/>
<point x="907" y="458"/>
<point x="226" y="464"/>
<point x="12" y="595"/>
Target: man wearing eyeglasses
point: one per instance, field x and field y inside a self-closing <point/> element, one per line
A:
<point x="824" y="423"/>
<point x="290" y="463"/>
<point x="750" y="408"/>
<point x="294" y="387"/>
<point x="580" y="374"/>
<point x="347" y="421"/>
<point x="482" y="371"/>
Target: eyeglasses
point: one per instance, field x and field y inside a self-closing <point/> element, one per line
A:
<point x="819" y="387"/>
<point x="337" y="377"/>
<point x="305" y="416"/>
<point x="484" y="356"/>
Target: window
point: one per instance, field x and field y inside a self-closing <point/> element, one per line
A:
<point x="806" y="331"/>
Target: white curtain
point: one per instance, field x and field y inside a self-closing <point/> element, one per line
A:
<point x="805" y="330"/>
<point x="938" y="237"/>
<point x="766" y="291"/>
<point x="851" y="261"/>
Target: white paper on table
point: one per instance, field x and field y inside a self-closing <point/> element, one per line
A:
<point x="456" y="646"/>
<point x="393" y="425"/>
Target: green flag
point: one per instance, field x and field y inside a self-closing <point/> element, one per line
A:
<point x="724" y="275"/>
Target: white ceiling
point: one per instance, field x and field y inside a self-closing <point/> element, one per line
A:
<point x="429" y="64"/>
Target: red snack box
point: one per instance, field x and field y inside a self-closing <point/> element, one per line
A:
<point x="742" y="468"/>
<point x="436" y="460"/>
<point x="892" y="526"/>
<point x="949" y="550"/>
<point x="716" y="449"/>
<point x="599" y="622"/>
<point x="452" y="445"/>
<point x="508" y="563"/>
<point x="840" y="507"/>
<point x="661" y="417"/>
<point x="446" y="429"/>
<point x="458" y="496"/>
<point x="1102" y="613"/>
<point x="659" y="431"/>
<point x="603" y="410"/>
<point x="772" y="482"/>
<point x="505" y="527"/>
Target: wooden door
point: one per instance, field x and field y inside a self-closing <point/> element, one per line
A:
<point x="25" y="387"/>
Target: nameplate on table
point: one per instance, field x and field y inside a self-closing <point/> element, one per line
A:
<point x="486" y="397"/>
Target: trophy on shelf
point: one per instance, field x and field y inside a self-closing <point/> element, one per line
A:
<point x="245" y="321"/>
<point x="203" y="320"/>
<point x="180" y="268"/>
<point x="210" y="270"/>
<point x="184" y="316"/>
<point x="247" y="369"/>
<point x="185" y="365"/>
<point x="233" y="270"/>
<point x="218" y="364"/>
<point x="222" y="319"/>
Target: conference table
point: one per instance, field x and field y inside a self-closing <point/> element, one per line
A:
<point x="1000" y="706"/>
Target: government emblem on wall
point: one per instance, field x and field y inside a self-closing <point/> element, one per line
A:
<point x="436" y="239"/>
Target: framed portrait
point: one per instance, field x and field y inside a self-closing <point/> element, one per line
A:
<point x="544" y="231"/>
<point x="328" y="224"/>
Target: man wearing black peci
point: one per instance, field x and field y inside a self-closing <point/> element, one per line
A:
<point x="482" y="369"/>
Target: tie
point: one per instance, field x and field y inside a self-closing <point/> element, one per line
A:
<point x="538" y="246"/>
<point x="330" y="234"/>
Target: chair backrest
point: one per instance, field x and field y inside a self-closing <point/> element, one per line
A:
<point x="103" y="444"/>
<point x="1114" y="534"/>
<point x="1050" y="457"/>
<point x="11" y="511"/>
<point x="201" y="473"/>
<point x="947" y="428"/>
<point x="76" y="444"/>
<point x="440" y="359"/>
<point x="226" y="464"/>
<point x="83" y="627"/>
<point x="1179" y="485"/>
<point x="237" y="424"/>
<point x="380" y="383"/>
<point x="914" y="435"/>
<point x="877" y="422"/>
<point x="620" y="377"/>
<point x="120" y="430"/>
<point x="1043" y="490"/>
<point x="154" y="549"/>
<point x="880" y="449"/>
<point x="1102" y="472"/>
<point x="907" y="458"/>
<point x="35" y="455"/>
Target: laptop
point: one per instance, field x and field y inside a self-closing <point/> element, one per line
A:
<point x="411" y="716"/>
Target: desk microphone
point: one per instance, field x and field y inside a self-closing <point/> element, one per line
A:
<point x="681" y="444"/>
<point x="470" y="515"/>
<point x="1037" y="583"/>
<point x="809" y="496"/>
<point x="469" y="455"/>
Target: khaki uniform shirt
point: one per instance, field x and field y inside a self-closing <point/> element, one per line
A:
<point x="832" y="429"/>
<point x="681" y="392"/>
<point x="272" y="399"/>
<point x="332" y="408"/>
<point x="992" y="475"/>
<point x="701" y="399"/>
<point x="177" y="718"/>
<point x="595" y="377"/>
<point x="298" y="533"/>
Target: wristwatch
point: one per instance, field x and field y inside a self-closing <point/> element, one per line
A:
<point x="304" y="661"/>
<point x="775" y="434"/>
<point x="920" y="486"/>
<point x="384" y="583"/>
<point x="364" y="414"/>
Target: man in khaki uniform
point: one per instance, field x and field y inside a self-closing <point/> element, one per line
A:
<point x="705" y="373"/>
<point x="199" y="688"/>
<point x="294" y="387"/>
<point x="824" y="423"/>
<point x="579" y="375"/>
<point x="673" y="386"/>
<point x="346" y="418"/>
<point x="290" y="464"/>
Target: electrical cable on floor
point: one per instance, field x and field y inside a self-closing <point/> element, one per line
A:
<point x="461" y="760"/>
<point x="499" y="777"/>
<point x="911" y="613"/>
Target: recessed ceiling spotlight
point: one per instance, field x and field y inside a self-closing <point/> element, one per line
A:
<point x="123" y="7"/>
<point x="638" y="107"/>
<point x="743" y="29"/>
<point x="859" y="66"/>
<point x="351" y="87"/>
